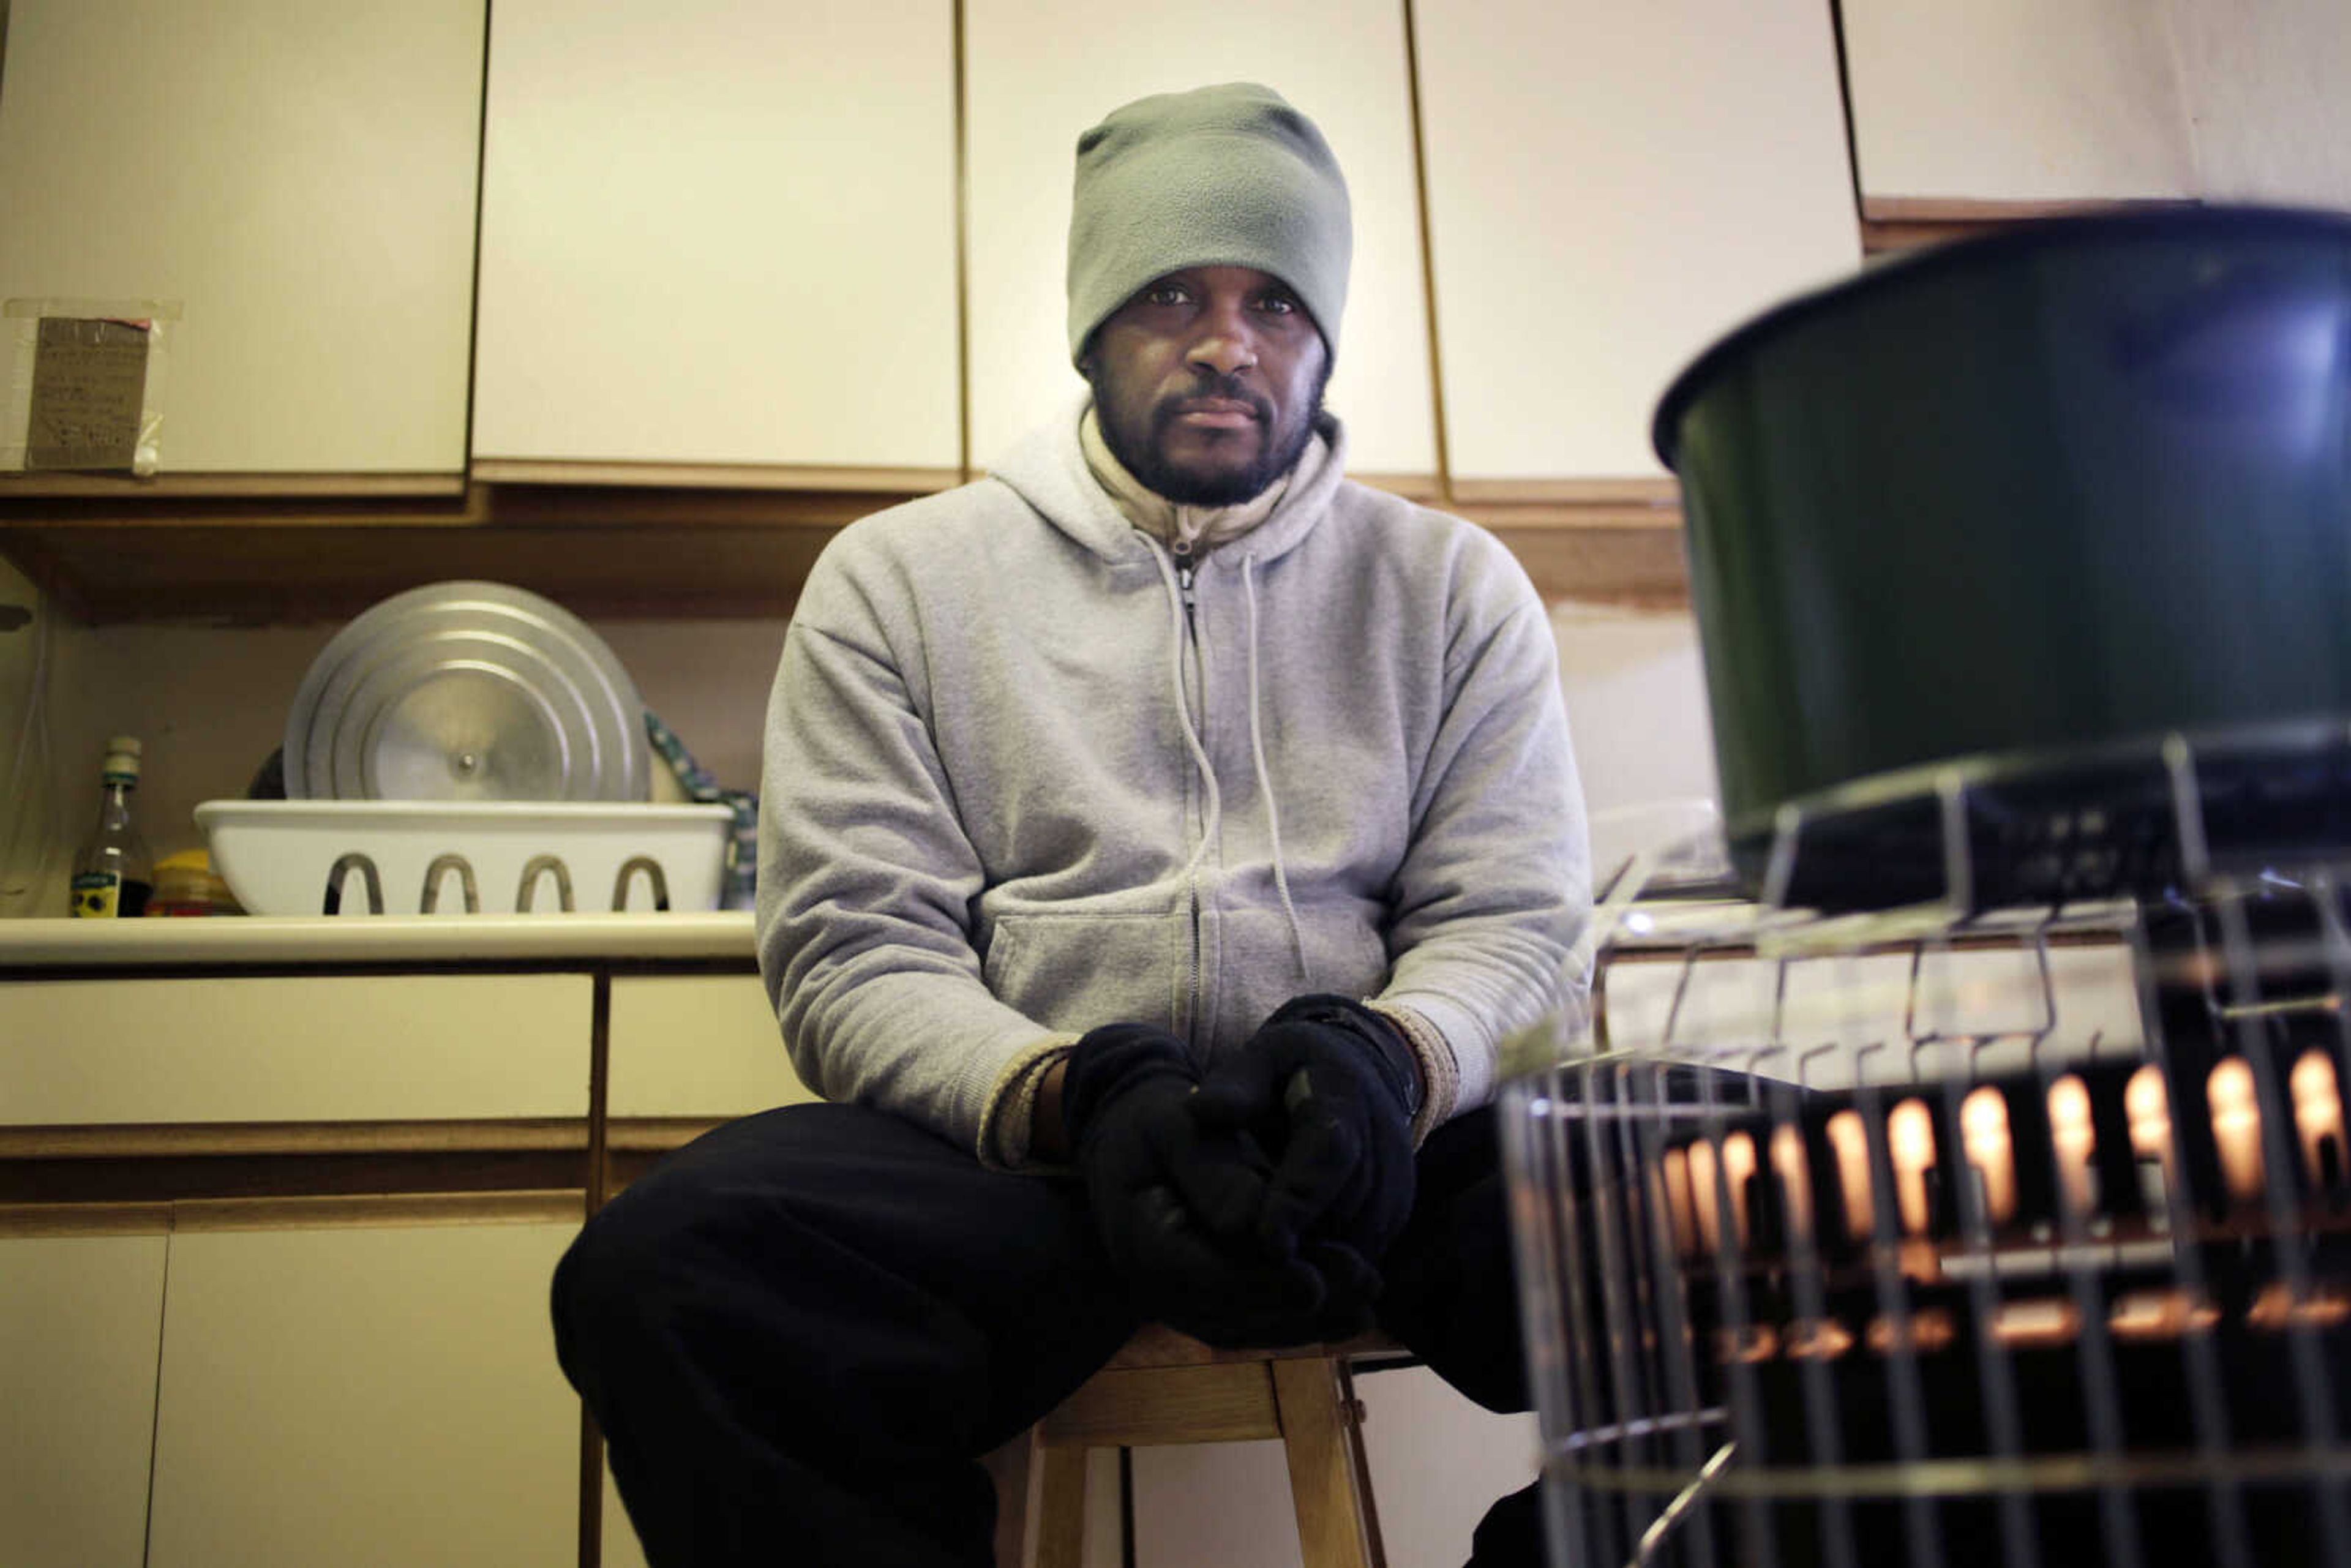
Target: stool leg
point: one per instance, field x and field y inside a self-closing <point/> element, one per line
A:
<point x="1324" y="1487"/>
<point x="1061" y="1506"/>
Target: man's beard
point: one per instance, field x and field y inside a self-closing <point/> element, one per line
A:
<point x="1231" y="487"/>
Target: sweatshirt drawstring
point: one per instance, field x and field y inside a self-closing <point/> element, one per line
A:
<point x="1183" y="715"/>
<point x="1265" y="779"/>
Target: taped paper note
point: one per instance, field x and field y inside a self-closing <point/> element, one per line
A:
<point x="87" y="384"/>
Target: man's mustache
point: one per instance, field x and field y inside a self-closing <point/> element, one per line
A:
<point x="1213" y="384"/>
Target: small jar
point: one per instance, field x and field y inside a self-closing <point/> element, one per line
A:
<point x="187" y="884"/>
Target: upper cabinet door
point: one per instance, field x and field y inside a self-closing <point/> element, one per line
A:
<point x="1041" y="71"/>
<point x="2068" y="100"/>
<point x="1611" y="187"/>
<point x="2018" y="100"/>
<point x="2264" y="85"/>
<point x="298" y="178"/>
<point x="719" y="234"/>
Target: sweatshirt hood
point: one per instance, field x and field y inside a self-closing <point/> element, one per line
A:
<point x="1048" y="469"/>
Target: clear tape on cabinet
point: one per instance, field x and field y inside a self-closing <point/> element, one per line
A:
<point x="400" y="857"/>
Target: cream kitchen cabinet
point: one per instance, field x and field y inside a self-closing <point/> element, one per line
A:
<point x="280" y="1201"/>
<point x="1040" y="71"/>
<point x="353" y="1390"/>
<point x="2263" y="81"/>
<point x="2036" y="102"/>
<point x="183" y="1051"/>
<point x="700" y="1047"/>
<point x="716" y="234"/>
<point x="364" y="1394"/>
<point x="359" y="1373"/>
<point x="1611" y="187"/>
<point x="80" y="1318"/>
<point x="2016" y="101"/>
<point x="299" y="180"/>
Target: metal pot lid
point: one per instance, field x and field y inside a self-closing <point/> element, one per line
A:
<point x="467" y="691"/>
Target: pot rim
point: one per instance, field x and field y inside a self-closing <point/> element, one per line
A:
<point x="2137" y="223"/>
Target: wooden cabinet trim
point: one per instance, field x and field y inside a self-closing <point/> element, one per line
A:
<point x="778" y="477"/>
<point x="527" y="1207"/>
<point x="1638" y="567"/>
<point x="1426" y="488"/>
<point x="24" y="1219"/>
<point x="151" y="1179"/>
<point x="1567" y="499"/>
<point x="168" y="488"/>
<point x="627" y="551"/>
<point x="656" y="1135"/>
<point x="534" y="1207"/>
<point x="1891" y="224"/>
<point x="291" y="1138"/>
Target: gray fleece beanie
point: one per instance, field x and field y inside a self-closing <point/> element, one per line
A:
<point x="1221" y="176"/>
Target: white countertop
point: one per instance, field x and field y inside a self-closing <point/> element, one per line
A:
<point x="375" y="939"/>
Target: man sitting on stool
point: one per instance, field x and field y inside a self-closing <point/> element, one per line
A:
<point x="1159" y="838"/>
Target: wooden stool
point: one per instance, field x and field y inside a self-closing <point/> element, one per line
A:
<point x="1167" y="1387"/>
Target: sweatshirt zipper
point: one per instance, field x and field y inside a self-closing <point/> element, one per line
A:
<point x="1192" y="648"/>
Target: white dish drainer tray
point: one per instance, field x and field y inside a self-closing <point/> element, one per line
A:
<point x="504" y="857"/>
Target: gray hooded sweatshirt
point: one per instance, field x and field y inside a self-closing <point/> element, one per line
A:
<point x="1026" y="775"/>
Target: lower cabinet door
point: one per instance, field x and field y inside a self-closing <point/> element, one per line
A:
<point x="80" y="1319"/>
<point x="364" y="1394"/>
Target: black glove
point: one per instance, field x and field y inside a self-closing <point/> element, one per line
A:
<point x="1176" y="1203"/>
<point x="1330" y="1087"/>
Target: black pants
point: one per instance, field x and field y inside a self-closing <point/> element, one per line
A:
<point x="801" y="1331"/>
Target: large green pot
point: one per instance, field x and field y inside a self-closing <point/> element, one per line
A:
<point x="2034" y="549"/>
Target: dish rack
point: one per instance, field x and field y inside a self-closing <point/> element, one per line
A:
<point x="1898" y="1285"/>
<point x="401" y="857"/>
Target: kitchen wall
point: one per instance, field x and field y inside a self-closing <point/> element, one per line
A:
<point x="210" y="704"/>
<point x="29" y="829"/>
<point x="1636" y="703"/>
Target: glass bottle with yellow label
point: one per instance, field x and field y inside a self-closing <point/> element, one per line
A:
<point x="113" y="871"/>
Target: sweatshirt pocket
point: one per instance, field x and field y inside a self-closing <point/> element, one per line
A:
<point x="1257" y="966"/>
<point x="1076" y="972"/>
